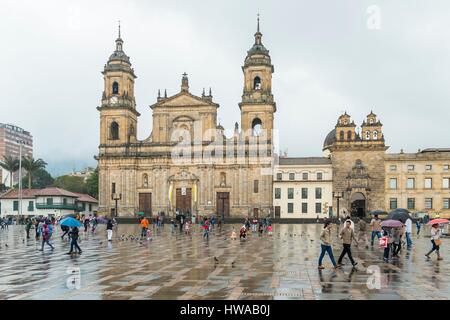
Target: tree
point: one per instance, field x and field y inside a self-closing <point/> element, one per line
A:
<point x="10" y="164"/>
<point x="31" y="166"/>
<point x="92" y="184"/>
<point x="41" y="179"/>
<point x="70" y="183"/>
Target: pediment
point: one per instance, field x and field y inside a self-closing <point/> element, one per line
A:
<point x="184" y="99"/>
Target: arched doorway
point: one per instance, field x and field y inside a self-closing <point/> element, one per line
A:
<point x="358" y="205"/>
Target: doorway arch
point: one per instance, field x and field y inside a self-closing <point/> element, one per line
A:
<point x="358" y="205"/>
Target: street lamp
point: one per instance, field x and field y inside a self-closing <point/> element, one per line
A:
<point x="21" y="143"/>
<point x="116" y="198"/>
<point x="337" y="195"/>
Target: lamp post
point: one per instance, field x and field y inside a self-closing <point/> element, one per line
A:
<point x="337" y="195"/>
<point x="20" y="142"/>
<point x="116" y="198"/>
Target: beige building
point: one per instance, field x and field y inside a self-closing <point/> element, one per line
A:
<point x="419" y="181"/>
<point x="186" y="163"/>
<point x="302" y="188"/>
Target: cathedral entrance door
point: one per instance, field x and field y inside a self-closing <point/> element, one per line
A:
<point x="184" y="200"/>
<point x="145" y="203"/>
<point x="223" y="204"/>
<point x="358" y="205"/>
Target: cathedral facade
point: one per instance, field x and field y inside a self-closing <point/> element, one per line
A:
<point x="187" y="163"/>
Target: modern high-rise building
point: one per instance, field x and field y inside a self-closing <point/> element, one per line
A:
<point x="10" y="138"/>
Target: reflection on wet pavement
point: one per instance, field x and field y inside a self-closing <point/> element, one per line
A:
<point x="178" y="266"/>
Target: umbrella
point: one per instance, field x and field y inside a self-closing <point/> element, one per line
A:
<point x="140" y="213"/>
<point x="102" y="220"/>
<point x="378" y="212"/>
<point x="400" y="215"/>
<point x="438" y="221"/>
<point x="70" y="222"/>
<point x="391" y="224"/>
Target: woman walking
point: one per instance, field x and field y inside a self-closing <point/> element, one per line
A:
<point x="109" y="229"/>
<point x="46" y="237"/>
<point x="435" y="240"/>
<point x="325" y="245"/>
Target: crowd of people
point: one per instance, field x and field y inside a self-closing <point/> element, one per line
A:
<point x="391" y="239"/>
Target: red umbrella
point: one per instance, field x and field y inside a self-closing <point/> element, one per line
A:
<point x="438" y="221"/>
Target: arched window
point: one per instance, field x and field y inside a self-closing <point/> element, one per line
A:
<point x="367" y="135"/>
<point x="349" y="135"/>
<point x="375" y="135"/>
<point x="257" y="83"/>
<point x="341" y="135"/>
<point x="115" y="88"/>
<point x="114" y="131"/>
<point x="256" y="127"/>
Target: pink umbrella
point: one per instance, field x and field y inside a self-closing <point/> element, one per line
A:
<point x="438" y="221"/>
<point x="391" y="224"/>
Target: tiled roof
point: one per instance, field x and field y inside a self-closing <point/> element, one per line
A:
<point x="56" y="192"/>
<point x="304" y="161"/>
<point x="14" y="194"/>
<point x="86" y="198"/>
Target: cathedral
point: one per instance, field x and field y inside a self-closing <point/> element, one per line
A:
<point x="187" y="163"/>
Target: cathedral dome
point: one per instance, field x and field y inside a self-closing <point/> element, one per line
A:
<point x="330" y="139"/>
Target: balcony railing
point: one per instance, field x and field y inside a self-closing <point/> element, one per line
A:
<point x="63" y="206"/>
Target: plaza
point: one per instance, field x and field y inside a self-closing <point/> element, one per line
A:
<point x="178" y="266"/>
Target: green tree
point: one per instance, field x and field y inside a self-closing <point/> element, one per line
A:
<point x="92" y="184"/>
<point x="70" y="183"/>
<point x="10" y="164"/>
<point x="41" y="179"/>
<point x="31" y="166"/>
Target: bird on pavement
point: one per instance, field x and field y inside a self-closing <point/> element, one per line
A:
<point x="216" y="260"/>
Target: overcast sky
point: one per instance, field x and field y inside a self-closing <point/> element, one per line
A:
<point x="329" y="56"/>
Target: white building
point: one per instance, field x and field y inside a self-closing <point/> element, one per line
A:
<point x="49" y="202"/>
<point x="302" y="188"/>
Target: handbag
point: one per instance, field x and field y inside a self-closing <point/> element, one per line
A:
<point x="437" y="242"/>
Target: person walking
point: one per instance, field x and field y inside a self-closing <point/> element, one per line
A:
<point x="65" y="230"/>
<point x="74" y="234"/>
<point x="362" y="233"/>
<point x="109" y="229"/>
<point x="408" y="230"/>
<point x="86" y="224"/>
<point x="28" y="227"/>
<point x="144" y="225"/>
<point x="94" y="224"/>
<point x="325" y="245"/>
<point x="389" y="239"/>
<point x="347" y="235"/>
<point x="396" y="242"/>
<point x="206" y="229"/>
<point x="375" y="224"/>
<point x="436" y="234"/>
<point x="46" y="237"/>
<point x="418" y="226"/>
<point x="39" y="229"/>
<point x="219" y="223"/>
<point x="254" y="224"/>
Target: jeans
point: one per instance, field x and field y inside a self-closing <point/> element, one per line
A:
<point x="329" y="250"/>
<point x="435" y="247"/>
<point x="408" y="239"/>
<point x="73" y="244"/>
<point x="386" y="251"/>
<point x="47" y="241"/>
<point x="375" y="233"/>
<point x="143" y="232"/>
<point x="206" y="233"/>
<point x="348" y="251"/>
<point x="65" y="232"/>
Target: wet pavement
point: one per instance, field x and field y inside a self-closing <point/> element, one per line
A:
<point x="178" y="266"/>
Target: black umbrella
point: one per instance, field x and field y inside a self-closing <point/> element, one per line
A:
<point x="377" y="212"/>
<point x="400" y="215"/>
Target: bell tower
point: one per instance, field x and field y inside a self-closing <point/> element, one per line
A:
<point x="257" y="105"/>
<point x="118" y="115"/>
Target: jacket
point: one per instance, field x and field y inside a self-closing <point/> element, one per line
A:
<point x="347" y="235"/>
<point x="325" y="237"/>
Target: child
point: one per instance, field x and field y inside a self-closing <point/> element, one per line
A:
<point x="233" y="235"/>
<point x="186" y="227"/>
<point x="390" y="240"/>
<point x="243" y="232"/>
<point x="269" y="229"/>
<point x="149" y="234"/>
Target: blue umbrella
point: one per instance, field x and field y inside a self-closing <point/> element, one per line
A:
<point x="70" y="222"/>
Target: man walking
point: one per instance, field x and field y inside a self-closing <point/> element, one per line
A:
<point x="375" y="224"/>
<point x="347" y="235"/>
<point x="109" y="229"/>
<point x="74" y="238"/>
<point x="408" y="226"/>
<point x="325" y="245"/>
<point x="28" y="227"/>
<point x="144" y="225"/>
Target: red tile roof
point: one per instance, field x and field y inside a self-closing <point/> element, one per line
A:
<point x="33" y="193"/>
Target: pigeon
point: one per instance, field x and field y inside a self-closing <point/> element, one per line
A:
<point x="216" y="260"/>
<point x="100" y="243"/>
<point x="6" y="245"/>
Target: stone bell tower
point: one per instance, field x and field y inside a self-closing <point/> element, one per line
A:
<point x="257" y="105"/>
<point x="118" y="115"/>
